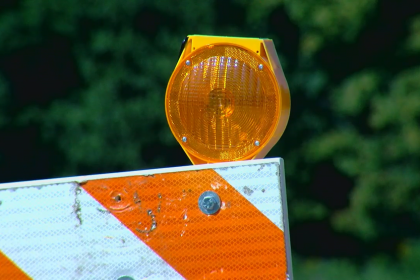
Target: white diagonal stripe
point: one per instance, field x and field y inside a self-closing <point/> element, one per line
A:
<point x="43" y="234"/>
<point x="260" y="185"/>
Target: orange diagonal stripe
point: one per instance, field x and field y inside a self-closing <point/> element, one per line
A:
<point x="9" y="270"/>
<point x="162" y="210"/>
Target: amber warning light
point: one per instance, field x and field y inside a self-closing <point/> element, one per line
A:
<point x="227" y="98"/>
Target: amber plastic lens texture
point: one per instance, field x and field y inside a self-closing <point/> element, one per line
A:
<point x="223" y="103"/>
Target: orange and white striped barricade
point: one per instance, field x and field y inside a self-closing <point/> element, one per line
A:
<point x="214" y="221"/>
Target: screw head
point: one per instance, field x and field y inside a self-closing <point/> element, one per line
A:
<point x="209" y="202"/>
<point x="257" y="143"/>
<point x="184" y="139"/>
<point x="188" y="63"/>
<point x="261" y="67"/>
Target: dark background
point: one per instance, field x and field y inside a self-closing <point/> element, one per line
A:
<point x="82" y="85"/>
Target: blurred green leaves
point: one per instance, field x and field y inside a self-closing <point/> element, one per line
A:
<point x="380" y="154"/>
<point x="378" y="268"/>
<point x="4" y="99"/>
<point x="413" y="40"/>
<point x="323" y="21"/>
<point x="355" y="93"/>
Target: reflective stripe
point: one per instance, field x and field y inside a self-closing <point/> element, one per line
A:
<point x="60" y="231"/>
<point x="9" y="270"/>
<point x="162" y="210"/>
<point x="147" y="225"/>
<point x="259" y="184"/>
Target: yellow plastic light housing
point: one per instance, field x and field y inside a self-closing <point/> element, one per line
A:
<point x="227" y="99"/>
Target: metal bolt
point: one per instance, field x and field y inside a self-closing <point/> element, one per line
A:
<point x="209" y="202"/>
<point x="257" y="143"/>
<point x="261" y="67"/>
<point x="188" y="63"/>
<point x="184" y="139"/>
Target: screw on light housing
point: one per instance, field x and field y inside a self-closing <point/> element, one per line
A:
<point x="209" y="202"/>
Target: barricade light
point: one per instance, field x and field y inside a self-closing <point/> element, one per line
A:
<point x="227" y="98"/>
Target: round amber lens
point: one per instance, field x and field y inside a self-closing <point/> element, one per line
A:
<point x="223" y="103"/>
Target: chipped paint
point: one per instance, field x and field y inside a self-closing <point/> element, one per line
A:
<point x="77" y="210"/>
<point x="102" y="210"/>
<point x="261" y="167"/>
<point x="248" y="191"/>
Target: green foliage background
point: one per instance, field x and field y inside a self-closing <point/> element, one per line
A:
<point x="82" y="86"/>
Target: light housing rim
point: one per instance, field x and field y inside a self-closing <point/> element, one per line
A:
<point x="270" y="62"/>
